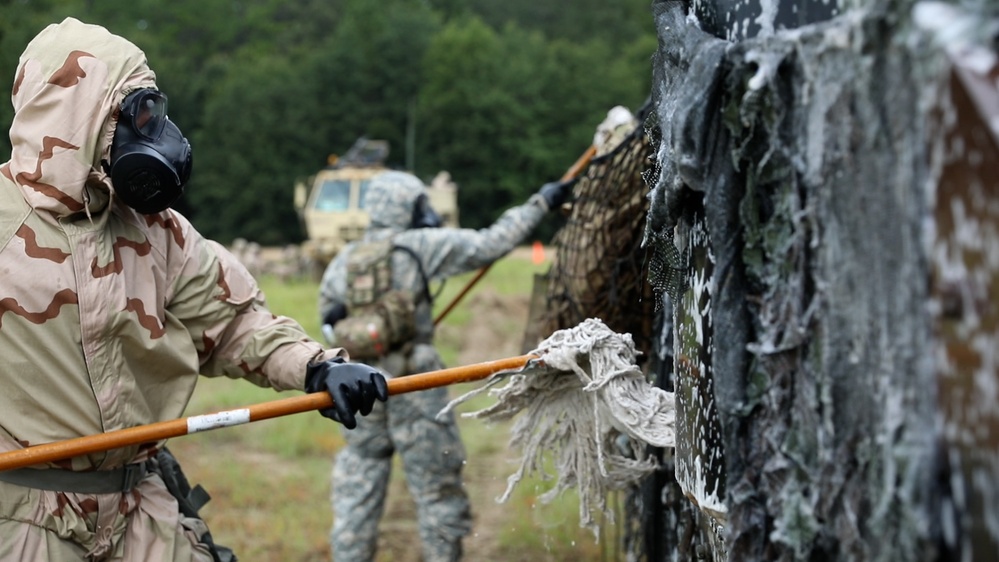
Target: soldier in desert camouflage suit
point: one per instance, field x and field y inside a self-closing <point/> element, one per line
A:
<point x="431" y="450"/>
<point x="108" y="315"/>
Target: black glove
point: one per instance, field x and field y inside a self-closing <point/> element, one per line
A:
<point x="556" y="192"/>
<point x="353" y="387"/>
<point x="336" y="313"/>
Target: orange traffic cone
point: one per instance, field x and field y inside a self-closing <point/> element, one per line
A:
<point x="538" y="253"/>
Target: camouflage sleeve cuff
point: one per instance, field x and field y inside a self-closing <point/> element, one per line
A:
<point x="332" y="353"/>
<point x="286" y="367"/>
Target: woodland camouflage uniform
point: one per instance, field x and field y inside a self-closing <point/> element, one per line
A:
<point x="106" y="315"/>
<point x="431" y="450"/>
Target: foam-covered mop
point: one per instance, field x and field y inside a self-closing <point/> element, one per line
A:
<point x="585" y="406"/>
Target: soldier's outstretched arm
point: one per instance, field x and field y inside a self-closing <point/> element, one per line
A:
<point x="448" y="251"/>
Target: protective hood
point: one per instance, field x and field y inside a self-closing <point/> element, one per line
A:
<point x="391" y="198"/>
<point x="69" y="83"/>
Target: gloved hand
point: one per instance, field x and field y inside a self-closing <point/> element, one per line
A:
<point x="556" y="192"/>
<point x="353" y="387"/>
<point x="336" y="313"/>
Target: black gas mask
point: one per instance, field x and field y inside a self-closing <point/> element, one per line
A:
<point x="150" y="158"/>
<point x="424" y="216"/>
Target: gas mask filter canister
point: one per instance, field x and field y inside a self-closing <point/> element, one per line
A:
<point x="424" y="215"/>
<point x="150" y="158"/>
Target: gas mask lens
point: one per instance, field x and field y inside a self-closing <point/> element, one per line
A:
<point x="146" y="112"/>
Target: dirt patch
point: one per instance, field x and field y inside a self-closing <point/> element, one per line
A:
<point x="494" y="318"/>
<point x="399" y="539"/>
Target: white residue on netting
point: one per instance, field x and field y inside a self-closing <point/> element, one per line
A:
<point x="588" y="410"/>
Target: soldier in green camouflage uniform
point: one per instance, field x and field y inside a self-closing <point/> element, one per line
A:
<point x="431" y="450"/>
<point x="108" y="315"/>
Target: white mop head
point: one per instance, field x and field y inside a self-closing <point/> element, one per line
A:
<point x="588" y="408"/>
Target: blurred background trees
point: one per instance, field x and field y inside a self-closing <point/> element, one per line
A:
<point x="503" y="95"/>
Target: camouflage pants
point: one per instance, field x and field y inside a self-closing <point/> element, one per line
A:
<point x="432" y="457"/>
<point x="141" y="525"/>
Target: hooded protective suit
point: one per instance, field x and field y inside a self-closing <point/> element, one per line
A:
<point x="108" y="316"/>
<point x="431" y="449"/>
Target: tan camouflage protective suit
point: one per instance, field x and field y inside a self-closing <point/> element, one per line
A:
<point x="431" y="450"/>
<point x="107" y="316"/>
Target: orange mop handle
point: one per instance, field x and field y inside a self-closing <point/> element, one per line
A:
<point x="154" y="432"/>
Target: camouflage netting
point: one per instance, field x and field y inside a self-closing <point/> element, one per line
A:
<point x="599" y="265"/>
<point x="600" y="271"/>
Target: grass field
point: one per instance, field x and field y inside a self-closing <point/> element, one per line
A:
<point x="270" y="480"/>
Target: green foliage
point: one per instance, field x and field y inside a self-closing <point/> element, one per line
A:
<point x="243" y="152"/>
<point x="504" y="96"/>
<point x="368" y="72"/>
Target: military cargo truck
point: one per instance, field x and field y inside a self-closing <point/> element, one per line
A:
<point x="330" y="203"/>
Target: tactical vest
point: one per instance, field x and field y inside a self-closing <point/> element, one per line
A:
<point x="379" y="318"/>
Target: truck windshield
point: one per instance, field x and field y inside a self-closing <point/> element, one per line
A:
<point x="334" y="195"/>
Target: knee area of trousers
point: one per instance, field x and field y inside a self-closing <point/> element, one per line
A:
<point x="362" y="453"/>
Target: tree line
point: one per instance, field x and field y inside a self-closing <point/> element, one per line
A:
<point x="503" y="95"/>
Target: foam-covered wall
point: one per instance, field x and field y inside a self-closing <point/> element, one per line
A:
<point x="833" y="189"/>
